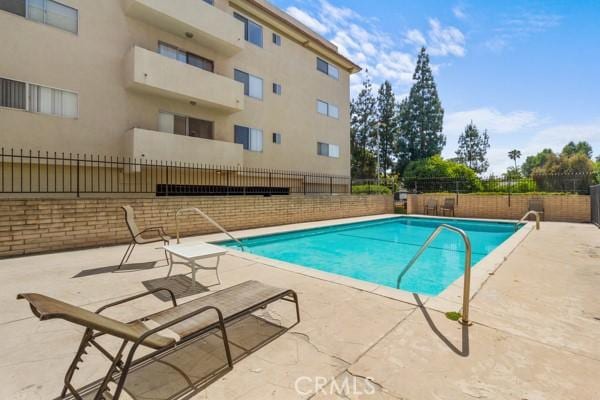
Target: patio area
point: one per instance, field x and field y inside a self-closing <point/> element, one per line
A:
<point x="535" y="332"/>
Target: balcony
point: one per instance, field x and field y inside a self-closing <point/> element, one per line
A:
<point x="154" y="145"/>
<point x="150" y="72"/>
<point x="192" y="19"/>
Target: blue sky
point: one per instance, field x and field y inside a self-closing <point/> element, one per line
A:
<point x="527" y="71"/>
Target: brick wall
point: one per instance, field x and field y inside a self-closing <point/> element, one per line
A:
<point x="567" y="208"/>
<point x="40" y="225"/>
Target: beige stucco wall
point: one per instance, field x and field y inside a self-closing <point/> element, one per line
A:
<point x="92" y="63"/>
<point x="557" y="207"/>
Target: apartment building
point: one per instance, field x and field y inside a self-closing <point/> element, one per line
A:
<point x="227" y="82"/>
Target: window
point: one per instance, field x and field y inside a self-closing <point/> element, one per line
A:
<point x="327" y="109"/>
<point x="211" y="2"/>
<point x="37" y="98"/>
<point x="277" y="88"/>
<point x="186" y="126"/>
<point x="276" y="39"/>
<point x="253" y="85"/>
<point x="12" y="94"/>
<point x="17" y="7"/>
<point x="276" y="138"/>
<point x="252" y="31"/>
<point x="58" y="102"/>
<point x="52" y="13"/>
<point x="189" y="58"/>
<point x="327" y="68"/>
<point x="328" y="150"/>
<point x="250" y="138"/>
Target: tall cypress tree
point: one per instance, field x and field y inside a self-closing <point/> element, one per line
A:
<point x="386" y="126"/>
<point x="472" y="148"/>
<point x="421" y="117"/>
<point x="363" y="118"/>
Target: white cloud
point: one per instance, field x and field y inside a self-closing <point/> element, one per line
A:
<point x="308" y="20"/>
<point x="415" y="37"/>
<point x="519" y="26"/>
<point x="360" y="39"/>
<point x="445" y="41"/>
<point x="459" y="12"/>
<point x="491" y="119"/>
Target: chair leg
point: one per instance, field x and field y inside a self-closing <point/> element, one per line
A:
<point x="170" y="264"/>
<point x="131" y="252"/>
<point x="111" y="370"/>
<point x="217" y="270"/>
<point x="125" y="255"/>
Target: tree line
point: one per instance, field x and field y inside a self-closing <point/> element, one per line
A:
<point x="405" y="137"/>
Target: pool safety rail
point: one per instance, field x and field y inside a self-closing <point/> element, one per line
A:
<point x="524" y="218"/>
<point x="464" y="320"/>
<point x="206" y="217"/>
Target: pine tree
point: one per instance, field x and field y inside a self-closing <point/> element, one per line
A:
<point x="472" y="148"/>
<point x="363" y="118"/>
<point x="386" y="126"/>
<point x="421" y="117"/>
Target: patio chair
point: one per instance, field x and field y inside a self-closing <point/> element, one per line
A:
<point x="188" y="321"/>
<point x="536" y="204"/>
<point x="448" y="206"/>
<point x="136" y="235"/>
<point x="430" y="205"/>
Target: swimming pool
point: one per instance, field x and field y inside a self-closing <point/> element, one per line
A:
<point x="376" y="251"/>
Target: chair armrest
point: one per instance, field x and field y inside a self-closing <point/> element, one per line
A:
<point x="137" y="296"/>
<point x="159" y="229"/>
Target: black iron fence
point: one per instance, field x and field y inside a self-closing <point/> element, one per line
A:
<point x="595" y="194"/>
<point x="578" y="183"/>
<point x="59" y="173"/>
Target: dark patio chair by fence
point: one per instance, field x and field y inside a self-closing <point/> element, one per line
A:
<point x="188" y="321"/>
<point x="536" y="204"/>
<point x="136" y="235"/>
<point x="448" y="206"/>
<point x="430" y="205"/>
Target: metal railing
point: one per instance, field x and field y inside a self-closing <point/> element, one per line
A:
<point x="206" y="217"/>
<point x="578" y="183"/>
<point x="59" y="173"/>
<point x="467" y="275"/>
<point x="595" y="203"/>
<point x="524" y="218"/>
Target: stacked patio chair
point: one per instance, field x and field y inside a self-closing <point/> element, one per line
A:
<point x="430" y="205"/>
<point x="536" y="204"/>
<point x="448" y="206"/>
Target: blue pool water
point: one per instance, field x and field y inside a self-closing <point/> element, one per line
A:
<point x="376" y="251"/>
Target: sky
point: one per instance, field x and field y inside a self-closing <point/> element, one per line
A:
<point x="527" y="71"/>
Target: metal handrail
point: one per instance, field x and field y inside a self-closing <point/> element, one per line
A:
<point x="209" y="219"/>
<point x="467" y="276"/>
<point x="537" y="219"/>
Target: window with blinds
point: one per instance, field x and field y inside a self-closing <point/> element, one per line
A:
<point x="13" y="94"/>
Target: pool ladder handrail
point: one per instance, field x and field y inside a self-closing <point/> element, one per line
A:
<point x="464" y="320"/>
<point x="209" y="219"/>
<point x="524" y="218"/>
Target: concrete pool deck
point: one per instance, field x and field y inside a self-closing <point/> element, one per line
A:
<point x="535" y="334"/>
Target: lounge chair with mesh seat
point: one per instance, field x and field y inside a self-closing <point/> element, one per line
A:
<point x="141" y="236"/>
<point x="448" y="206"/>
<point x="430" y="205"/>
<point x="184" y="323"/>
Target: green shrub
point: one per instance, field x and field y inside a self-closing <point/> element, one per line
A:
<point x="370" y="189"/>
<point x="435" y="170"/>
